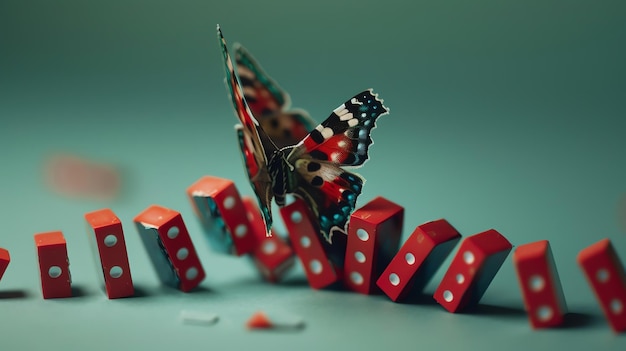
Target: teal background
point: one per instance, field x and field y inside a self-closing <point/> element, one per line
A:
<point x="504" y="114"/>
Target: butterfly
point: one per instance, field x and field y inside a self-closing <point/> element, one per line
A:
<point x="313" y="168"/>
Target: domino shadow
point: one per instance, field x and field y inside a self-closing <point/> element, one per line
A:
<point x="576" y="320"/>
<point x="13" y="294"/>
<point x="493" y="310"/>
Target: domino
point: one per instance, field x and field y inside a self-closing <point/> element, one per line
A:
<point x="54" y="266"/>
<point x="219" y="207"/>
<point x="374" y="235"/>
<point x="109" y="246"/>
<point x="474" y="266"/>
<point x="418" y="259"/>
<point x="540" y="284"/>
<point x="272" y="256"/>
<point x="605" y="273"/>
<point x="304" y="236"/>
<point x="169" y="247"/>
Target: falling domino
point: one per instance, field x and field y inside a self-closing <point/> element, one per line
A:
<point x="418" y="259"/>
<point x="605" y="274"/>
<point x="540" y="284"/>
<point x="219" y="207"/>
<point x="473" y="267"/>
<point x="319" y="270"/>
<point x="272" y="256"/>
<point x="169" y="247"/>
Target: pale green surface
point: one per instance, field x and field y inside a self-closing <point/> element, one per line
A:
<point x="504" y="114"/>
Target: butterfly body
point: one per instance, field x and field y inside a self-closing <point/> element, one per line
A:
<point x="284" y="154"/>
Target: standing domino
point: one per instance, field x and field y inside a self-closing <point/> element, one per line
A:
<point x="605" y="274"/>
<point x="54" y="266"/>
<point x="418" y="259"/>
<point x="540" y="284"/>
<point x="107" y="240"/>
<point x="472" y="269"/>
<point x="374" y="234"/>
<point x="169" y="246"/>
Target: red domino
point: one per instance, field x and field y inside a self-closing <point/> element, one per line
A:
<point x="108" y="241"/>
<point x="472" y="269"/>
<point x="304" y="237"/>
<point x="169" y="246"/>
<point x="54" y="265"/>
<point x="272" y="256"/>
<point x="418" y="259"/>
<point x="217" y="203"/>
<point x="5" y="259"/>
<point x="373" y="238"/>
<point x="540" y="284"/>
<point x="605" y="274"/>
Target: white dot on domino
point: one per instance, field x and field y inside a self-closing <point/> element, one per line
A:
<point x="110" y="240"/>
<point x="410" y="258"/>
<point x="296" y="216"/>
<point x="602" y="275"/>
<point x="315" y="266"/>
<point x="394" y="279"/>
<point x="359" y="257"/>
<point x="616" y="306"/>
<point x="544" y="313"/>
<point x="269" y="247"/>
<point x="356" y="278"/>
<point x="362" y="234"/>
<point x="447" y="295"/>
<point x="468" y="257"/>
<point x="54" y="271"/>
<point x="182" y="253"/>
<point x="305" y="241"/>
<point x="172" y="233"/>
<point x="191" y="273"/>
<point x="536" y="283"/>
<point x="116" y="272"/>
<point x="241" y="230"/>
<point x="229" y="202"/>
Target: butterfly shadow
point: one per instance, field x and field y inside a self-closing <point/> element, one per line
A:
<point x="13" y="294"/>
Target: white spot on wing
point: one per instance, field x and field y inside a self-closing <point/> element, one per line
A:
<point x="327" y="132"/>
<point x="346" y="117"/>
<point x="340" y="110"/>
<point x="245" y="72"/>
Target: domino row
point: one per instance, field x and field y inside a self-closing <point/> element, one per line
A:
<point x="370" y="260"/>
<point x="367" y="261"/>
<point x="167" y="242"/>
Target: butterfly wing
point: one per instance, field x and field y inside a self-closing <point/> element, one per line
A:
<point x="253" y="141"/>
<point x="270" y="103"/>
<point x="342" y="140"/>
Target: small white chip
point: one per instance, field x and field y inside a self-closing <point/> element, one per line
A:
<point x="198" y="318"/>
